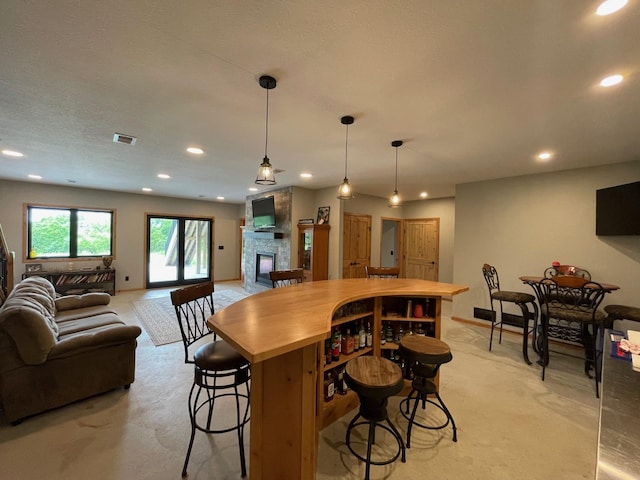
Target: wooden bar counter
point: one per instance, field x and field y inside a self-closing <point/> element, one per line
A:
<point x="282" y="333"/>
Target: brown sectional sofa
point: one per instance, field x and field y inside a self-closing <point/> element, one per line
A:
<point x="54" y="351"/>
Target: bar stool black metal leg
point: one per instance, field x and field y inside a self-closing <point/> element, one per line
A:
<point x="192" y="417"/>
<point x="449" y="416"/>
<point x="525" y="332"/>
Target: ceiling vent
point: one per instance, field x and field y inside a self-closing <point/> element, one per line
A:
<point x="125" y="139"/>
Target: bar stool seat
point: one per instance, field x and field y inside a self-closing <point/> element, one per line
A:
<point x="374" y="379"/>
<point x="424" y="355"/>
<point x="621" y="312"/>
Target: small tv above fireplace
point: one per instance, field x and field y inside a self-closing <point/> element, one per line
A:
<point x="264" y="213"/>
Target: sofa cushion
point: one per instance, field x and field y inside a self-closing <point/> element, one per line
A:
<point x="81" y="324"/>
<point x="73" y="302"/>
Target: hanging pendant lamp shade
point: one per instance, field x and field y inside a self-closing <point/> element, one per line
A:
<point x="345" y="192"/>
<point x="395" y="200"/>
<point x="265" y="171"/>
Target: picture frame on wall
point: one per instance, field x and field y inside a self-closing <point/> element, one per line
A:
<point x="34" y="267"/>
<point x="323" y="215"/>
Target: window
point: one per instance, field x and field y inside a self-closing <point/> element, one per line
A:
<point x="56" y="232"/>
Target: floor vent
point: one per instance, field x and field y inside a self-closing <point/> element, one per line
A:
<point x="125" y="139"/>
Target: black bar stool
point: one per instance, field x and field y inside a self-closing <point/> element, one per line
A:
<point x="424" y="355"/>
<point x="374" y="379"/>
<point x="218" y="370"/>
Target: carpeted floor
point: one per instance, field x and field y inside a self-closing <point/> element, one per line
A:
<point x="158" y="317"/>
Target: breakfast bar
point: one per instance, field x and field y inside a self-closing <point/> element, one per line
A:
<point x="282" y="333"/>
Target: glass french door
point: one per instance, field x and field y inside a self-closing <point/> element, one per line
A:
<point x="178" y="250"/>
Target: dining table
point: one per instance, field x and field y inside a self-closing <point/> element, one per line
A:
<point x="532" y="280"/>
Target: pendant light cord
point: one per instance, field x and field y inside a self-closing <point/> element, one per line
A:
<point x="396" y="184"/>
<point x="346" y="143"/>
<point x="266" y="128"/>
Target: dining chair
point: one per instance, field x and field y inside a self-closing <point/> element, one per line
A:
<point x="284" y="278"/>
<point x="382" y="272"/>
<point x="569" y="302"/>
<point x="554" y="270"/>
<point x="521" y="299"/>
<point x="218" y="369"/>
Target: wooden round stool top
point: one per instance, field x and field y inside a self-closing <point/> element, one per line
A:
<point x="369" y="373"/>
<point x="424" y="349"/>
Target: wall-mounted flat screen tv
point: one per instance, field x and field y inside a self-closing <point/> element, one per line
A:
<point x="264" y="213"/>
<point x="618" y="210"/>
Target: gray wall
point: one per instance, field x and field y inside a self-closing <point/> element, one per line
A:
<point x="522" y="224"/>
<point x="130" y="228"/>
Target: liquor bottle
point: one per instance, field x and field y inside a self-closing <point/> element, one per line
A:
<point x="363" y="335"/>
<point x="369" y="341"/>
<point x="335" y="345"/>
<point x="399" y="334"/>
<point x="327" y="351"/>
<point x="420" y="330"/>
<point x="350" y="342"/>
<point x="389" y="333"/>
<point x="344" y="345"/>
<point x="356" y="339"/>
<point x="329" y="387"/>
<point x="341" y="382"/>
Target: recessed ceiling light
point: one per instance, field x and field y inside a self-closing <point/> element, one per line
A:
<point x="12" y="153"/>
<point x="610" y="6"/>
<point x="306" y="175"/>
<point x="147" y="189"/>
<point x="611" y="80"/>
<point x="424" y="195"/>
<point x="544" y="156"/>
<point x="253" y="189"/>
<point x="220" y="198"/>
<point x="195" y="150"/>
<point x="164" y="176"/>
<point x="35" y="177"/>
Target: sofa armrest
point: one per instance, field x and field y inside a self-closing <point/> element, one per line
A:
<point x="94" y="338"/>
<point x="72" y="302"/>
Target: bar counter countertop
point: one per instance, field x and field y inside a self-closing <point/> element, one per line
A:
<point x="619" y="429"/>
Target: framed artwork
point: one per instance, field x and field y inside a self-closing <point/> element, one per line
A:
<point x="34" y="267"/>
<point x="323" y="215"/>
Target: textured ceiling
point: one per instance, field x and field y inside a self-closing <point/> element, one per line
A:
<point x="474" y="88"/>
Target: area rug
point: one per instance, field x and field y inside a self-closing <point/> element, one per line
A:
<point x="158" y="317"/>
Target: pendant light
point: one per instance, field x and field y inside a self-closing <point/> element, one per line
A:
<point x="395" y="201"/>
<point x="345" y="192"/>
<point x="265" y="171"/>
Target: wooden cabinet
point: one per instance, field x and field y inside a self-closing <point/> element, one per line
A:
<point x="313" y="251"/>
<point x="80" y="281"/>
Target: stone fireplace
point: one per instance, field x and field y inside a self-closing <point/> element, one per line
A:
<point x="265" y="263"/>
<point x="275" y="247"/>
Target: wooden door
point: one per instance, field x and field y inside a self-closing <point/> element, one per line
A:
<point x="356" y="245"/>
<point x="422" y="248"/>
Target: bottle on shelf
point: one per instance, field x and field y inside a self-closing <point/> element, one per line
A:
<point x="420" y="330"/>
<point x="341" y="381"/>
<point x="327" y="351"/>
<point x="356" y="338"/>
<point x="389" y="333"/>
<point x="329" y="387"/>
<point x="362" y="335"/>
<point x="399" y="334"/>
<point x="335" y="345"/>
<point x="369" y="340"/>
<point x="350" y="342"/>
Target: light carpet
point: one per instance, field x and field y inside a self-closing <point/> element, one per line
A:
<point x="158" y="316"/>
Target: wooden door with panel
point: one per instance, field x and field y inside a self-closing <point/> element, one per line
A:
<point x="356" y="245"/>
<point x="422" y="248"/>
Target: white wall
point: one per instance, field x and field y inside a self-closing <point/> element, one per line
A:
<point x="130" y="228"/>
<point x="522" y="224"/>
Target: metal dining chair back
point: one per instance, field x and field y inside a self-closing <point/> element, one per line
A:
<point x="521" y="299"/>
<point x="382" y="272"/>
<point x="284" y="278"/>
